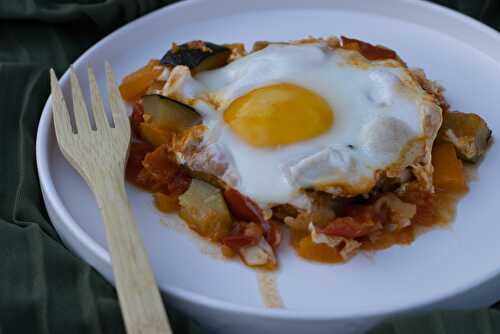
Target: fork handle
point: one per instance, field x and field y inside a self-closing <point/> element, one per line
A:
<point x="140" y="300"/>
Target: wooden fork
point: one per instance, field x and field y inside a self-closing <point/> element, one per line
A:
<point x="99" y="156"/>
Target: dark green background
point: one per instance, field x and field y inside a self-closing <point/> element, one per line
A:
<point x="44" y="288"/>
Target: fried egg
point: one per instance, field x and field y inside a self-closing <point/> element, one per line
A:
<point x="292" y="117"/>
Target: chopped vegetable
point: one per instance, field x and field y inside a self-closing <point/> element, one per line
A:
<point x="236" y="242"/>
<point x="166" y="203"/>
<point x="396" y="213"/>
<point x="153" y="135"/>
<point x="197" y="55"/>
<point x="227" y="251"/>
<point x="156" y="86"/>
<point x="359" y="221"/>
<point x="284" y="210"/>
<point x="242" y="207"/>
<point x="346" y="227"/>
<point x="207" y="177"/>
<point x="322" y="213"/>
<point x="135" y="85"/>
<point x="170" y="115"/>
<point x="469" y="133"/>
<point x="161" y="164"/>
<point x="205" y="211"/>
<point x="253" y="230"/>
<point x="346" y="246"/>
<point x="387" y="239"/>
<point x="161" y="173"/>
<point x="320" y="252"/>
<point x="259" y="255"/>
<point x="273" y="235"/>
<point x="426" y="213"/>
<point x="137" y="152"/>
<point x="136" y="118"/>
<point x="448" y="169"/>
<point x="242" y="234"/>
<point x="179" y="183"/>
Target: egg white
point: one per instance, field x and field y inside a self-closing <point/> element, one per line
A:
<point x="378" y="110"/>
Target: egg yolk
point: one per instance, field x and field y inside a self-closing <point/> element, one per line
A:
<point x="278" y="114"/>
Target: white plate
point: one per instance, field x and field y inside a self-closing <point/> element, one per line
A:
<point x="441" y="266"/>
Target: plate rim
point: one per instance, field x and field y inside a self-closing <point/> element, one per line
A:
<point x="51" y="195"/>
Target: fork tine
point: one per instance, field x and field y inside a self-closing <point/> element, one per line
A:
<point x="79" y="109"/>
<point x="97" y="107"/>
<point x="62" y="122"/>
<point x="115" y="100"/>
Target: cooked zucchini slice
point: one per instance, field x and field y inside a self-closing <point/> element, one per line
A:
<point x="168" y="114"/>
<point x="197" y="55"/>
<point x="204" y="209"/>
<point x="153" y="135"/>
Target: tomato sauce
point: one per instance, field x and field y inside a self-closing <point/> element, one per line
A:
<point x="434" y="211"/>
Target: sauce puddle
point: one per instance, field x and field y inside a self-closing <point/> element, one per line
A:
<point x="440" y="216"/>
<point x="269" y="290"/>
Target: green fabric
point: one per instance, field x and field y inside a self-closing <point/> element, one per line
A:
<point x="44" y="288"/>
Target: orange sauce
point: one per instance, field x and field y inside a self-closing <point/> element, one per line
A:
<point x="401" y="237"/>
<point x="269" y="290"/>
<point x="443" y="214"/>
<point x="440" y="214"/>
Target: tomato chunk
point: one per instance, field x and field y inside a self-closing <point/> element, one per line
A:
<point x="273" y="235"/>
<point x="161" y="164"/>
<point x="242" y="207"/>
<point x="345" y="227"/>
<point x="426" y="202"/>
<point x="358" y="222"/>
<point x="137" y="152"/>
<point x="161" y="173"/>
<point x="156" y="170"/>
<point x="242" y="235"/>
<point x="235" y="242"/>
<point x="136" y="118"/>
<point x="179" y="183"/>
